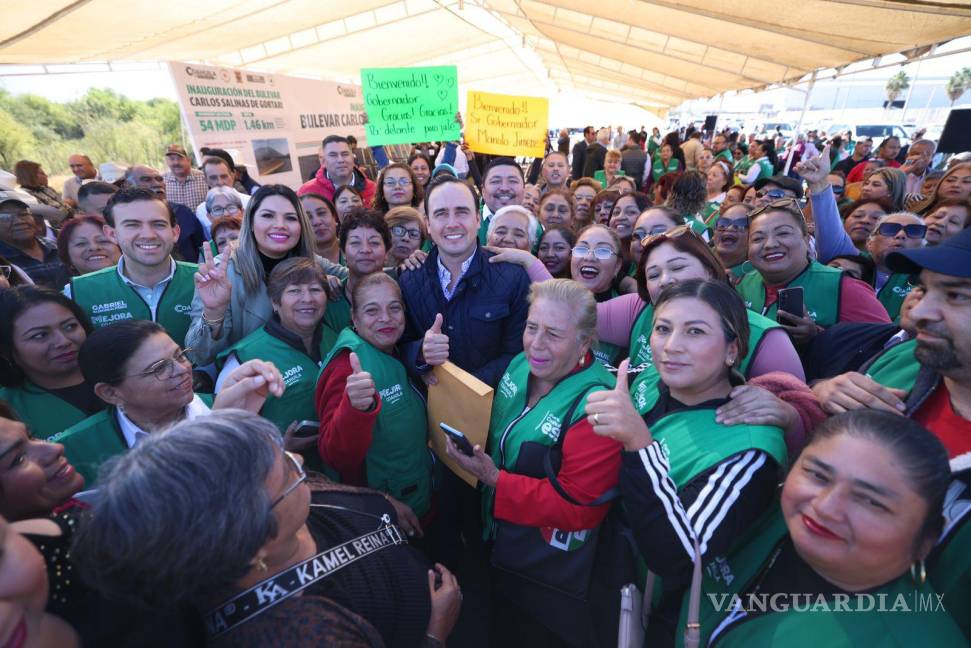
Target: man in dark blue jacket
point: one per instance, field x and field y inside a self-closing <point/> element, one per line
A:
<point x="459" y="306"/>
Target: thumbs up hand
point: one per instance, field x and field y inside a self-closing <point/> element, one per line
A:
<point x="435" y="345"/>
<point x="611" y="413"/>
<point x="360" y="386"/>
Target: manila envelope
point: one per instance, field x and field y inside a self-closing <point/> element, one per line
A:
<point x="462" y="401"/>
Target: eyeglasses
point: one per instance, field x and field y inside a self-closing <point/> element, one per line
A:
<point x="295" y="467"/>
<point x="724" y="223"/>
<point x="222" y="211"/>
<point x="773" y="194"/>
<point x="913" y="230"/>
<point x="403" y="232"/>
<point x="640" y="233"/>
<point x="401" y="182"/>
<point x="838" y="189"/>
<point x="5" y="271"/>
<point x="165" y="369"/>
<point x="600" y="253"/>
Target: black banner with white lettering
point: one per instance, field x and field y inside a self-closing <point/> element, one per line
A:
<point x="261" y="597"/>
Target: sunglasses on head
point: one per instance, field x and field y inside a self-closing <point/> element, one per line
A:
<point x="790" y="205"/>
<point x="913" y="230"/>
<point x="774" y="194"/>
<point x="838" y="189"/>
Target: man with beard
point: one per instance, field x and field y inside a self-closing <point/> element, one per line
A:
<point x="504" y="184"/>
<point x="929" y="381"/>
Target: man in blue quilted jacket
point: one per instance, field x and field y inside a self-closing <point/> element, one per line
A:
<point x="459" y="305"/>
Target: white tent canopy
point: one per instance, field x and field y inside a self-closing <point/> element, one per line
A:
<point x="651" y="53"/>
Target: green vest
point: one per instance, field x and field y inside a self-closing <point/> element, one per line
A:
<point x="609" y="354"/>
<point x="726" y="155"/>
<point x="44" y="413"/>
<point x="397" y="462"/>
<point x="821" y="293"/>
<point x="513" y="423"/>
<point x="299" y="373"/>
<point x="949" y="564"/>
<point x="710" y="212"/>
<point x="693" y="442"/>
<point x="896" y="367"/>
<point x="107" y="299"/>
<point x="814" y="624"/>
<point x="96" y="439"/>
<point x="765" y="169"/>
<point x="738" y="271"/>
<point x="742" y="166"/>
<point x="893" y="293"/>
<point x="338" y="313"/>
<point x="658" y="169"/>
<point x="640" y="349"/>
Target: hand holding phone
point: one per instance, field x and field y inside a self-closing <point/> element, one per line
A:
<point x="791" y="301"/>
<point x="458" y="438"/>
<point x="301" y="434"/>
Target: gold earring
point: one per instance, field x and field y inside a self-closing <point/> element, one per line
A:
<point x="261" y="564"/>
<point x="583" y="359"/>
<point x="923" y="573"/>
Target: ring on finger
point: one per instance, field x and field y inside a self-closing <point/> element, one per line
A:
<point x="596" y="418"/>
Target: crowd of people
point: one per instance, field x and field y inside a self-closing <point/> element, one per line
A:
<point x="731" y="371"/>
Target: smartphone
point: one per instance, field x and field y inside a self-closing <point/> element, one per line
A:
<point x="790" y="301"/>
<point x="307" y="429"/>
<point x="458" y="438"/>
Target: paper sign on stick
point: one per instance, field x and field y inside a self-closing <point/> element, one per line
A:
<point x="462" y="401"/>
<point x="506" y="125"/>
<point x="410" y="105"/>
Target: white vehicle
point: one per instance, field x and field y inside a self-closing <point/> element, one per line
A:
<point x="878" y="132"/>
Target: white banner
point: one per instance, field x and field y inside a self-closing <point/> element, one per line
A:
<point x="275" y="122"/>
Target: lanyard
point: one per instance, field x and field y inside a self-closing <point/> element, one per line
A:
<point x="244" y="606"/>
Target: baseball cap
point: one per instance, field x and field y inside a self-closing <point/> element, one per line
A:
<point x="112" y="171"/>
<point x="444" y="168"/>
<point x="12" y="197"/>
<point x="176" y="149"/>
<point x="782" y="181"/>
<point x="952" y="257"/>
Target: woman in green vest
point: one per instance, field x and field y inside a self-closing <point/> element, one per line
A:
<point x="295" y="340"/>
<point x="611" y="170"/>
<point x="778" y="249"/>
<point x="900" y="231"/>
<point x="949" y="564"/>
<point x="730" y="238"/>
<point x="595" y="264"/>
<point x="41" y="333"/>
<point x="146" y="380"/>
<point x="664" y="163"/>
<point x="689" y="481"/>
<point x="839" y="561"/>
<point x="373" y="426"/>
<point x="761" y="164"/>
<point x="230" y="299"/>
<point x="671" y="257"/>
<point x="719" y="179"/>
<point x="549" y="480"/>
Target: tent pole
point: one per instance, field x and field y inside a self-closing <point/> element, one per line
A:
<point x="802" y="117"/>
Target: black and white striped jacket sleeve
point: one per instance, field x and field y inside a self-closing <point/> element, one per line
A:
<point x="716" y="507"/>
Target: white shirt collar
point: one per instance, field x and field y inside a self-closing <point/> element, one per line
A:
<point x="133" y="434"/>
<point x="121" y="273"/>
